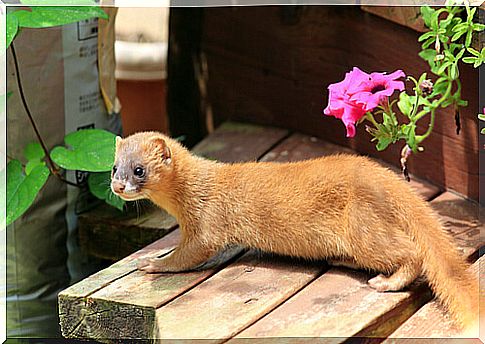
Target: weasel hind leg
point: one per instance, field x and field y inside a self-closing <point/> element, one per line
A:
<point x="346" y="263"/>
<point x="401" y="278"/>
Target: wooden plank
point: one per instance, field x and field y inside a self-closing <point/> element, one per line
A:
<point x="409" y="16"/>
<point x="235" y="297"/>
<point x="464" y="219"/>
<point x="107" y="233"/>
<point x="341" y="304"/>
<point x="86" y="308"/>
<point x="75" y="308"/>
<point x="238" y="142"/>
<point x="431" y="321"/>
<point x="299" y="146"/>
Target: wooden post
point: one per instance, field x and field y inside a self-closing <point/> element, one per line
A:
<point x="183" y="98"/>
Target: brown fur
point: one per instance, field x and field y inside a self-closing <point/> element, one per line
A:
<point x="343" y="208"/>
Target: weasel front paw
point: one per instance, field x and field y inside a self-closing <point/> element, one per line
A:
<point x="152" y="265"/>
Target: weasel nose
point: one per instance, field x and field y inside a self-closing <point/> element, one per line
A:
<point x="118" y="187"/>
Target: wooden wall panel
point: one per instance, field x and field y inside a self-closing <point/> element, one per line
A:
<point x="264" y="71"/>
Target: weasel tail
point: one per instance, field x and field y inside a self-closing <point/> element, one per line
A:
<point x="446" y="271"/>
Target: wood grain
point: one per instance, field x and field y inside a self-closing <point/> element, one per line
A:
<point x="234" y="298"/>
<point x="409" y="16"/>
<point x="340" y="304"/>
<point x="107" y="233"/>
<point x="239" y="142"/>
<point x="431" y="321"/>
<point x="264" y="71"/>
<point x="78" y="315"/>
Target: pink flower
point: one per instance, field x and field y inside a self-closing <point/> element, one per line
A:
<point x="358" y="93"/>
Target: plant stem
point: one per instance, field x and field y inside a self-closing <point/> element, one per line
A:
<point x="416" y="105"/>
<point x="52" y="166"/>
<point x="420" y="114"/>
<point x="371" y="118"/>
<point x="391" y="113"/>
<point x="420" y="138"/>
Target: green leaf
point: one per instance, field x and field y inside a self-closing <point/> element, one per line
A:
<point x="473" y="51"/>
<point x="457" y="36"/>
<point x="449" y="55"/>
<point x="428" y="43"/>
<point x="90" y="150"/>
<point x="428" y="54"/>
<point x="421" y="79"/>
<point x="478" y="27"/>
<point x="483" y="131"/>
<point x="426" y="35"/>
<point x="383" y="142"/>
<point x="481" y="117"/>
<point x="12" y="27"/>
<point x="440" y="88"/>
<point x="468" y="39"/>
<point x="471" y="13"/>
<point x="42" y="17"/>
<point x="460" y="54"/>
<point x="454" y="72"/>
<point x="31" y="165"/>
<point x="440" y="80"/>
<point x="477" y="63"/>
<point x="99" y="185"/>
<point x="462" y="102"/>
<point x="426" y="14"/>
<point x="404" y="104"/>
<point x="469" y="59"/>
<point x="443" y="67"/>
<point x="34" y="151"/>
<point x="460" y="27"/>
<point x="22" y="189"/>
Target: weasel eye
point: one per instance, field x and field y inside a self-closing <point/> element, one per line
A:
<point x="139" y="172"/>
<point x="114" y="169"/>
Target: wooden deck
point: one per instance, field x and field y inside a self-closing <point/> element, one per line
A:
<point x="251" y="294"/>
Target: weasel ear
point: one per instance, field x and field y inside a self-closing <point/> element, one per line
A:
<point x="118" y="141"/>
<point x="166" y="153"/>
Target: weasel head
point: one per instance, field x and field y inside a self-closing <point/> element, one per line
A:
<point x="143" y="162"/>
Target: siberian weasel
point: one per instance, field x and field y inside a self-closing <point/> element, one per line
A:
<point x="346" y="209"/>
